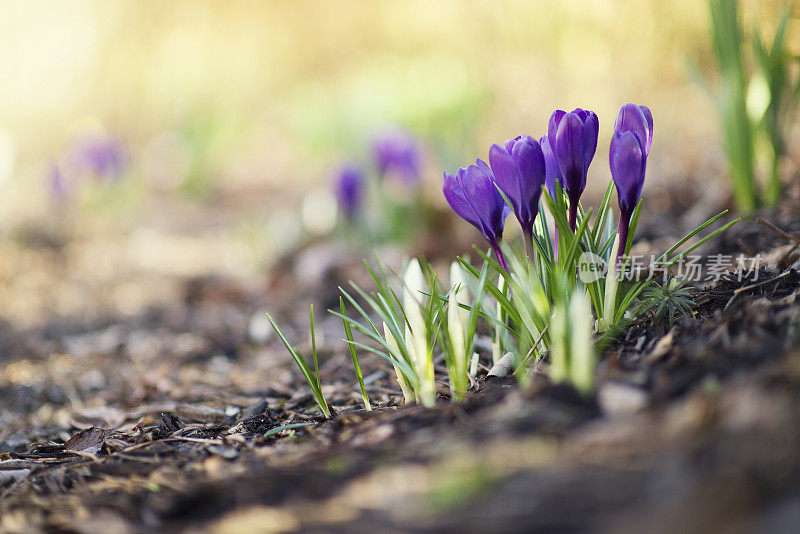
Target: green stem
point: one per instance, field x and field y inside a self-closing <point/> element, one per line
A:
<point x="528" y="239"/>
<point x="500" y="258"/>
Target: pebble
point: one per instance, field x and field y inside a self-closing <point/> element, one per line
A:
<point x="617" y="398"/>
<point x="259" y="329"/>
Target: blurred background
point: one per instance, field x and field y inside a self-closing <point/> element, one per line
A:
<point x="144" y="141"/>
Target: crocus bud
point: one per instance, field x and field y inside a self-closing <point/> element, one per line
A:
<point x="408" y="392"/>
<point x="630" y="146"/>
<point x="573" y="138"/>
<point x="519" y="171"/>
<point x="626" y="159"/>
<point x="457" y="317"/>
<point x="416" y="331"/>
<point x="473" y="196"/>
<point x="396" y="152"/>
<point x="457" y="325"/>
<point x="349" y="188"/>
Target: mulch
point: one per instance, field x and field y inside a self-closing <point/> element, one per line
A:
<point x="184" y="417"/>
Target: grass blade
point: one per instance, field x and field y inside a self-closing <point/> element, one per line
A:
<point x="349" y="335"/>
<point x="303" y="365"/>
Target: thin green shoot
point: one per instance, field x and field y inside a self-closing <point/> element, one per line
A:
<point x="348" y="332"/>
<point x="311" y="378"/>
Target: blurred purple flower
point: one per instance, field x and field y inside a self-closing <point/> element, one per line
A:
<point x="519" y="172"/>
<point x="348" y="186"/>
<point x="396" y="152"/>
<point x="573" y="138"/>
<point x="472" y="194"/>
<point x="100" y="155"/>
<point x="56" y="181"/>
<point x="630" y="146"/>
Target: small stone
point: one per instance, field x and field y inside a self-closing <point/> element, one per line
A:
<point x="617" y="398"/>
<point x="259" y="330"/>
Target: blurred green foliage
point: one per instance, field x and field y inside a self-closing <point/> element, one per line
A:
<point x="775" y="64"/>
<point x="757" y="101"/>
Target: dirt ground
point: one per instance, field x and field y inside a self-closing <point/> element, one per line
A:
<point x="190" y="416"/>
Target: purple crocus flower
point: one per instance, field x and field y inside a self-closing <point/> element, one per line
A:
<point x="472" y="195"/>
<point x="57" y="182"/>
<point x="348" y="186"/>
<point x="396" y="152"/>
<point x="630" y="146"/>
<point x="100" y="155"/>
<point x="573" y="138"/>
<point x="519" y="171"/>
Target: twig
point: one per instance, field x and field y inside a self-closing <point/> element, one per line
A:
<point x="134" y="458"/>
<point x="13" y="465"/>
<point x="194" y="440"/>
<point x="741" y="290"/>
<point x="782" y="233"/>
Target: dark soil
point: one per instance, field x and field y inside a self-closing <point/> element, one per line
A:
<point x="184" y="417"/>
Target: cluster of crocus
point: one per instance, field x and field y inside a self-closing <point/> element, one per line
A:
<point x="560" y="160"/>
<point x="396" y="153"/>
<point x="348" y="185"/>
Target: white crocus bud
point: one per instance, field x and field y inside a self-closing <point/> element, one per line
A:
<point x="559" y="345"/>
<point x="408" y="393"/>
<point x="417" y="334"/>
<point x="583" y="358"/>
<point x="457" y="324"/>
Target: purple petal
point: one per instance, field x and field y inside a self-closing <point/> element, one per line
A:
<point x="349" y="188"/>
<point x="479" y="188"/>
<point x="552" y="172"/>
<point x="530" y="165"/>
<point x="396" y="151"/>
<point x="552" y="126"/>
<point x="570" y="150"/>
<point x="649" y="118"/>
<point x="580" y="113"/>
<point x="505" y="175"/>
<point x="591" y="128"/>
<point x="454" y="193"/>
<point x="483" y="166"/>
<point x="632" y="119"/>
